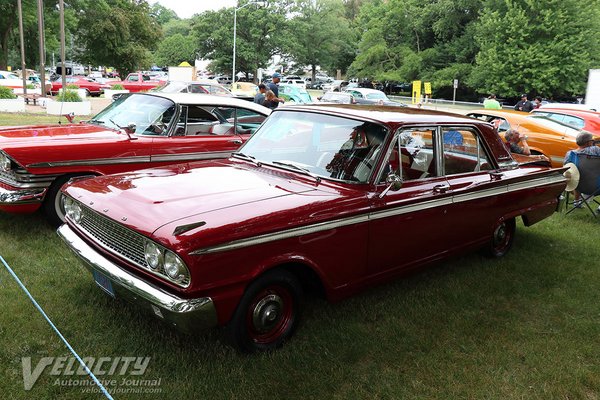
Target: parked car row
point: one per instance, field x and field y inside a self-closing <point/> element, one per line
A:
<point x="546" y="136"/>
<point x="221" y="235"/>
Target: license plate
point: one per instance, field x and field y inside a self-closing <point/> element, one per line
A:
<point x="104" y="283"/>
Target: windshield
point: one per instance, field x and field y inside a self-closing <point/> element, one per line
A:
<point x="173" y="87"/>
<point x="151" y="115"/>
<point x="323" y="145"/>
<point x="376" y="96"/>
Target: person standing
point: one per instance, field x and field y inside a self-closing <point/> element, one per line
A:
<point x="537" y="102"/>
<point x="274" y="85"/>
<point x="260" y="96"/>
<point x="524" y="105"/>
<point x="491" y="103"/>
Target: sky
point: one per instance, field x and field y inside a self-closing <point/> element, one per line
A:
<point x="187" y="8"/>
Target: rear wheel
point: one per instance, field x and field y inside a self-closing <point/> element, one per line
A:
<point x="267" y="314"/>
<point x="502" y="238"/>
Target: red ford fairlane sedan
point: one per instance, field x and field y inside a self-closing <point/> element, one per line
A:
<point x="137" y="131"/>
<point x="333" y="197"/>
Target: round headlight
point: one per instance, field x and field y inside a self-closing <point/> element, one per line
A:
<point x="76" y="212"/>
<point x="174" y="267"/>
<point x="153" y="255"/>
<point x="4" y="162"/>
<point x="67" y="204"/>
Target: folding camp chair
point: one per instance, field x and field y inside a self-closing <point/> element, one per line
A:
<point x="589" y="180"/>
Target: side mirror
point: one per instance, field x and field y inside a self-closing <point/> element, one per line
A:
<point x="131" y="127"/>
<point x="394" y="183"/>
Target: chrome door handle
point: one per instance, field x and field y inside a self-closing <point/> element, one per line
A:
<point x="236" y="141"/>
<point x="441" y="188"/>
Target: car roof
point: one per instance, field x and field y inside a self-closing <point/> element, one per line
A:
<point x="569" y="111"/>
<point x="384" y="114"/>
<point x="365" y="90"/>
<point x="207" y="99"/>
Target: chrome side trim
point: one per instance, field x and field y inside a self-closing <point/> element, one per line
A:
<point x="190" y="156"/>
<point x="135" y="159"/>
<point x="295" y="232"/>
<point x="411" y="208"/>
<point x="534" y="183"/>
<point x="97" y="161"/>
<point x="187" y="315"/>
<point x="459" y="198"/>
<point x="285" y="234"/>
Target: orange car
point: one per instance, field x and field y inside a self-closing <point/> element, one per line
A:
<point x="544" y="136"/>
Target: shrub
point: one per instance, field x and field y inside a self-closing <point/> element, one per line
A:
<point x="72" y="86"/>
<point x="6" y="93"/>
<point x="118" y="86"/>
<point x="30" y="86"/>
<point x="68" y="96"/>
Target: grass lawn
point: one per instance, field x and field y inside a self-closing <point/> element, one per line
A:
<point x="31" y="119"/>
<point x="526" y="326"/>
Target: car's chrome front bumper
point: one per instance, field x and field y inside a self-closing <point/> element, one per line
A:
<point x="187" y="315"/>
<point x="21" y="196"/>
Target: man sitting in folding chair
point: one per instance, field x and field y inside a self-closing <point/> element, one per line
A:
<point x="585" y="162"/>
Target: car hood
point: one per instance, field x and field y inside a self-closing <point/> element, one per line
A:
<point x="30" y="135"/>
<point x="148" y="199"/>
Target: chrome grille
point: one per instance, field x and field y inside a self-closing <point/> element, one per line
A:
<point x="114" y="236"/>
<point x="119" y="240"/>
<point x="22" y="179"/>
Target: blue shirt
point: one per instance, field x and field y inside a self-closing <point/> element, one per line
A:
<point x="588" y="151"/>
<point x="274" y="88"/>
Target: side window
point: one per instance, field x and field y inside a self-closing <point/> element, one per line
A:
<point x="248" y="121"/>
<point x="574" y="121"/>
<point x="195" y="121"/>
<point x="133" y="78"/>
<point x="413" y="155"/>
<point x="463" y="151"/>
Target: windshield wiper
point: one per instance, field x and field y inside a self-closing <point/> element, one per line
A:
<point x="97" y="121"/>
<point x="297" y="167"/>
<point x="242" y="155"/>
<point x="246" y="157"/>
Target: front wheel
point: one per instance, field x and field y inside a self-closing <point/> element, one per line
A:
<point x="267" y="314"/>
<point x="53" y="206"/>
<point x="502" y="238"/>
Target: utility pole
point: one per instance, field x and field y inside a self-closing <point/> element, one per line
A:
<point x="23" y="70"/>
<point x="42" y="46"/>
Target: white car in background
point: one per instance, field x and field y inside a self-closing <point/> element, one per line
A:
<point x="371" y="96"/>
<point x="10" y="80"/>
<point x="294" y="80"/>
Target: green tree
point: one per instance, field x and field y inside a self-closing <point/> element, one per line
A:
<point x="8" y="22"/>
<point x="320" y="35"/>
<point x="261" y="33"/>
<point x="120" y="33"/>
<point x="404" y="40"/>
<point x="176" y="49"/>
<point x="162" y="14"/>
<point x="540" y="47"/>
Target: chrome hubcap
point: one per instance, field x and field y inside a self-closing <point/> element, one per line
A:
<point x="500" y="234"/>
<point x="267" y="312"/>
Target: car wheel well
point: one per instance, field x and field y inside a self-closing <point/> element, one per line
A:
<point x="50" y="204"/>
<point x="311" y="281"/>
